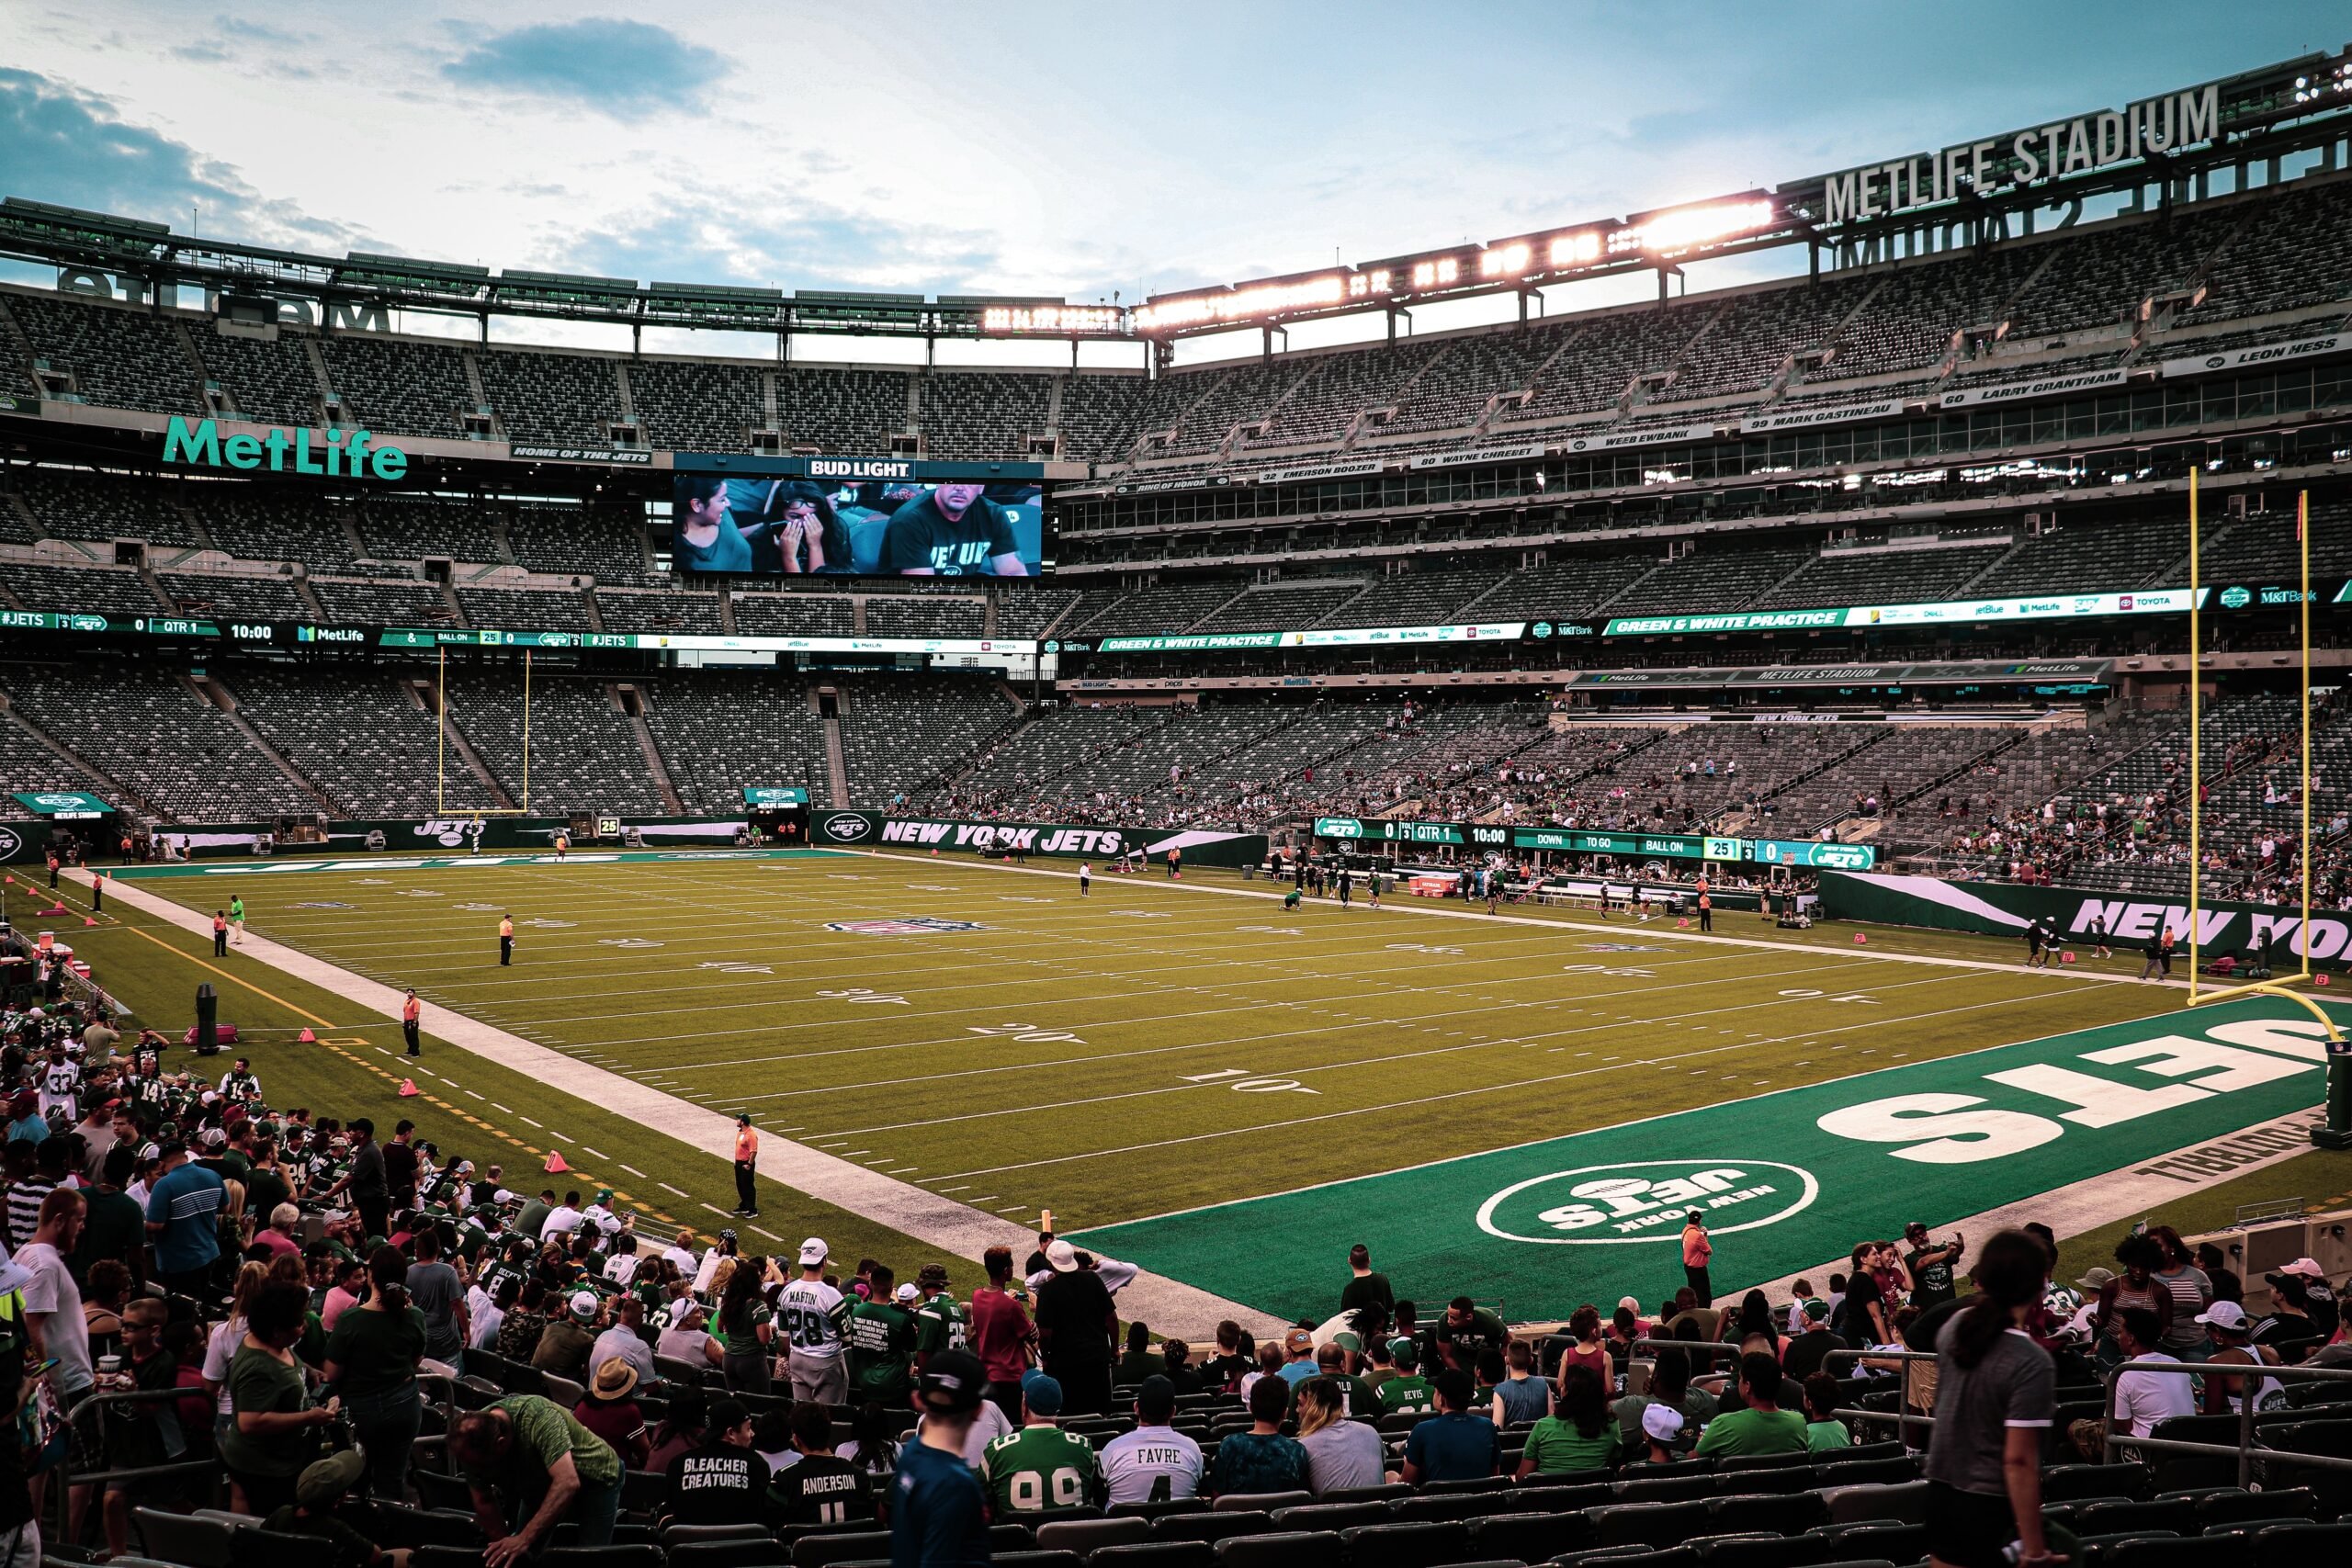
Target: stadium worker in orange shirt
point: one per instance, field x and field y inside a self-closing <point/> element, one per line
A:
<point x="747" y="1164"/>
<point x="1696" y="1250"/>
<point x="505" y="940"/>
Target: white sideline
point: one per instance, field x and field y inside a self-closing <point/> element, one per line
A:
<point x="1171" y="1305"/>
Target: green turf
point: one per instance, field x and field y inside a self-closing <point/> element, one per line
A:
<point x="1150" y="1048"/>
<point x="470" y="1107"/>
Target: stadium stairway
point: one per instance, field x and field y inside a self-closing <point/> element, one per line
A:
<point x="209" y="689"/>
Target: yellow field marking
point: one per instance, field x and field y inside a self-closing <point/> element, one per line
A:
<point x="238" y="979"/>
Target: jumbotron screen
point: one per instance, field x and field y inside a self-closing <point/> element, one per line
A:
<point x="784" y="527"/>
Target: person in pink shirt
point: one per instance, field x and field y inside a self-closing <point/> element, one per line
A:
<point x="278" y="1235"/>
<point x="350" y="1274"/>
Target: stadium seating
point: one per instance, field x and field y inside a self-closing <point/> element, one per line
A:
<point x="693" y="405"/>
<point x="268" y="381"/>
<point x="371" y="745"/>
<point x="564" y="399"/>
<point x="584" y="755"/>
<point x="716" y="739"/>
<point x="795" y="615"/>
<point x="178" y="756"/>
<point x="901" y="736"/>
<point x="118" y="355"/>
<point x="399" y="387"/>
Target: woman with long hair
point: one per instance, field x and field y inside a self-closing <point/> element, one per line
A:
<point x="372" y="1364"/>
<point x="220" y="1344"/>
<point x="1340" y="1452"/>
<point x="1996" y="1397"/>
<point x="745" y="1327"/>
<point x="873" y="1446"/>
<point x="2137" y="1286"/>
<point x="1580" y="1434"/>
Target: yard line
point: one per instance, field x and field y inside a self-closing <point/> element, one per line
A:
<point x="770" y="1235"/>
<point x="716" y="1210"/>
<point x="1514" y="1084"/>
<point x="1354" y="1063"/>
<point x="528" y="1122"/>
<point x="484" y="1099"/>
<point x="673" y="1191"/>
<point x="632" y="1171"/>
<point x="594" y="1154"/>
<point x="495" y="1106"/>
<point x="562" y="1137"/>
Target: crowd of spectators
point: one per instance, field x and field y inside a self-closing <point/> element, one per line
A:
<point x="210" y="1301"/>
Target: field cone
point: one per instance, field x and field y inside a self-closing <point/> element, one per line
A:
<point x="1683" y="924"/>
<point x="555" y="1166"/>
<point x="306" y="1038"/>
<point x="2319" y="980"/>
<point x="408" y="1087"/>
<point x="1862" y="939"/>
<point x="88" y="922"/>
<point x="2065" y="958"/>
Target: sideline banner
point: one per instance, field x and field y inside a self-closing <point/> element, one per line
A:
<point x="1787" y="1180"/>
<point x="875" y="830"/>
<point x="427" y="833"/>
<point x="2002" y="909"/>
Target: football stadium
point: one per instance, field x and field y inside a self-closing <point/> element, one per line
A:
<point x="1674" y="889"/>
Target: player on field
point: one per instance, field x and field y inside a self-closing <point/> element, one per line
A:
<point x="1085" y="878"/>
<point x="1040" y="1466"/>
<point x="810" y="1314"/>
<point x="1290" y="899"/>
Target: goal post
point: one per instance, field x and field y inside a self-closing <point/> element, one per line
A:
<point x="2336" y="1132"/>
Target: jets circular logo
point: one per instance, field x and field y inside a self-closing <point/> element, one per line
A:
<point x="846" y="829"/>
<point x="1542" y="628"/>
<point x="2235" y="598"/>
<point x="1645" y="1200"/>
<point x="1052" y="645"/>
<point x="9" y="844"/>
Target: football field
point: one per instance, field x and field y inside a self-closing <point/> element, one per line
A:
<point x="1131" y="1060"/>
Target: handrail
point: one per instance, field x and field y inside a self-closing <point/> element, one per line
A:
<point x="2253" y="1374"/>
<point x="91" y="1405"/>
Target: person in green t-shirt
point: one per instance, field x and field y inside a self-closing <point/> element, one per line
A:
<point x="114" y="1225"/>
<point x="880" y="1334"/>
<point x="1582" y="1436"/>
<point x="525" y="1452"/>
<point x="1823" y="1430"/>
<point x="1040" y="1466"/>
<point x="272" y="1430"/>
<point x="940" y="1322"/>
<point x="1407" y="1390"/>
<point x="1763" y="1428"/>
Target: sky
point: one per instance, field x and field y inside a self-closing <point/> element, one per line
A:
<point x="1031" y="149"/>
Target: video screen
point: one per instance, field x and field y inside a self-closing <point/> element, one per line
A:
<point x="785" y="527"/>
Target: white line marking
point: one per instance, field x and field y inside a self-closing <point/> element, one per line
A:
<point x="672" y="1191"/>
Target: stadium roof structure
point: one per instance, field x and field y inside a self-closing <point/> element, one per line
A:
<point x="1960" y="195"/>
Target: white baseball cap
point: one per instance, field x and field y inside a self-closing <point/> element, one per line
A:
<point x="814" y="1251"/>
<point x="2223" y="1315"/>
<point x="2306" y="1268"/>
<point x="907" y="1291"/>
<point x="1062" y="1258"/>
<point x="1662" y="1422"/>
<point x="584" y="1303"/>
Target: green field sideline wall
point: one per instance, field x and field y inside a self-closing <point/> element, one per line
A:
<point x="866" y="830"/>
<point x="2002" y="909"/>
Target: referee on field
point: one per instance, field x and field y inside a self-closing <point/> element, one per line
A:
<point x="747" y="1162"/>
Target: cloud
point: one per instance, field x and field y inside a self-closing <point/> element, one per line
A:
<point x="794" y="242"/>
<point x="625" y="69"/>
<point x="64" y="145"/>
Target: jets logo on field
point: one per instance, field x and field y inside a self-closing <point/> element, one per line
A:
<point x="905" y="925"/>
<point x="1623" y="947"/>
<point x="1645" y="1200"/>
